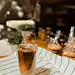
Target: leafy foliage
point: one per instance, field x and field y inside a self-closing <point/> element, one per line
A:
<point x="14" y="37"/>
<point x="25" y="27"/>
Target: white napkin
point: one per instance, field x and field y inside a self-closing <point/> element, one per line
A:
<point x="8" y="65"/>
<point x="44" y="65"/>
<point x="5" y="48"/>
<point x="51" y="64"/>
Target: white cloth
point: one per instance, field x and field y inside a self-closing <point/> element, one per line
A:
<point x="47" y="63"/>
<point x="44" y="65"/>
<point x="5" y="48"/>
<point x="51" y="64"/>
<point x="9" y="65"/>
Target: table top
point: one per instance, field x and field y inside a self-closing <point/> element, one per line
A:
<point x="45" y="60"/>
<point x="45" y="63"/>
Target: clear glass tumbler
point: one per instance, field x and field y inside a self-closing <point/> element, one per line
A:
<point x="27" y="58"/>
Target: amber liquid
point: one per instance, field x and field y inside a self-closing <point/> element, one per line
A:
<point x="25" y="60"/>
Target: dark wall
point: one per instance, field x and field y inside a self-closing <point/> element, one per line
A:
<point x="52" y="13"/>
<point x="57" y="1"/>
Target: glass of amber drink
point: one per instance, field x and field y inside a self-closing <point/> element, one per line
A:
<point x="27" y="58"/>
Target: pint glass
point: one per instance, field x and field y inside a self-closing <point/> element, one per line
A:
<point x="27" y="58"/>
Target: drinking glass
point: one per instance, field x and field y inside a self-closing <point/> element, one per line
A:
<point x="27" y="58"/>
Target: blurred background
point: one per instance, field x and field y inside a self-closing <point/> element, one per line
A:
<point x="57" y="14"/>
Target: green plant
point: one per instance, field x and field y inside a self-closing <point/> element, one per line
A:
<point x="25" y="27"/>
<point x="15" y="37"/>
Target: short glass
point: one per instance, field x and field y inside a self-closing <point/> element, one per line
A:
<point x="27" y="58"/>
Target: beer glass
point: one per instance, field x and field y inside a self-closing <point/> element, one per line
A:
<point x="27" y="58"/>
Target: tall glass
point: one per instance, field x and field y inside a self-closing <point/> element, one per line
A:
<point x="27" y="58"/>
